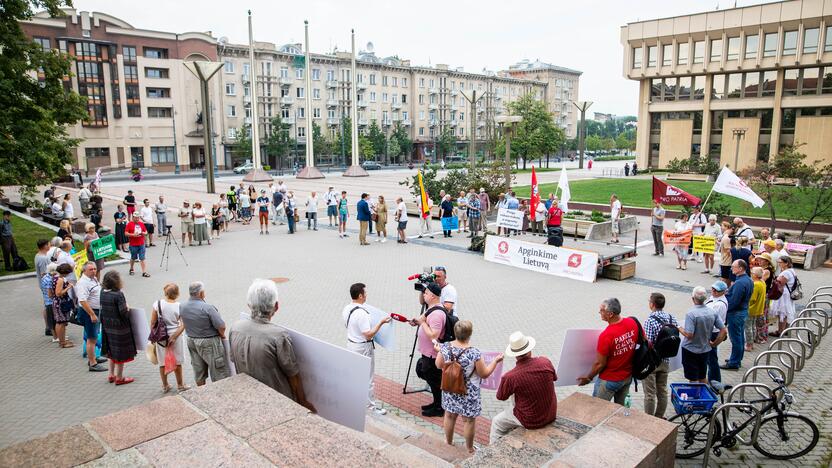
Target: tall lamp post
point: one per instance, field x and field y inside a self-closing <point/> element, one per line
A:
<point x="204" y="71"/>
<point x="507" y="124"/>
<point x="471" y="97"/>
<point x="582" y="106"/>
<point x="257" y="174"/>
<point x="175" y="149"/>
<point x="309" y="171"/>
<point x="355" y="169"/>
<point x="739" y="134"/>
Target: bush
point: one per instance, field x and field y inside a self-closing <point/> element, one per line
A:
<point x="596" y="216"/>
<point x="614" y="158"/>
<point x="267" y="168"/>
<point x="694" y="165"/>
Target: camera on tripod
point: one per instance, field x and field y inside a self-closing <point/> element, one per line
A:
<point x="422" y="279"/>
<point x="167" y="229"/>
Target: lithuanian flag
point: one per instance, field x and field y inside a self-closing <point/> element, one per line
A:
<point x="423" y="197"/>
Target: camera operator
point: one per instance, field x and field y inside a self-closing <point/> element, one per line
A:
<point x="448" y="297"/>
<point x="431" y="328"/>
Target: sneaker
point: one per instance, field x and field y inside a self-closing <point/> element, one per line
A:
<point x="55" y="340"/>
<point x="383" y="240"/>
<point x="100" y="360"/>
<point x="379" y="410"/>
<point x="97" y="368"/>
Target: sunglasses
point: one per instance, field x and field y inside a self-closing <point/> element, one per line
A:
<point x="440" y="268"/>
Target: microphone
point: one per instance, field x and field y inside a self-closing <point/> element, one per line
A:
<point x="413" y="277"/>
<point x="400" y="318"/>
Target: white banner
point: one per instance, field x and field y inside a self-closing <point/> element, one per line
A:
<point x="558" y="261"/>
<point x="565" y="193"/>
<point x="577" y="355"/>
<point x="510" y="219"/>
<point x="729" y="184"/>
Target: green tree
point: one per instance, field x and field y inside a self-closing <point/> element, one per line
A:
<point x="621" y="142"/>
<point x="536" y="135"/>
<point x="34" y="113"/>
<point x="243" y="147"/>
<point x="763" y="179"/>
<point x="446" y="142"/>
<point x="321" y="145"/>
<point x="393" y="148"/>
<point x="343" y="141"/>
<point x="816" y="195"/>
<point x="377" y="138"/>
<point x="278" y="141"/>
<point x="593" y="143"/>
<point x="403" y="138"/>
<point x="608" y="144"/>
<point x="366" y="149"/>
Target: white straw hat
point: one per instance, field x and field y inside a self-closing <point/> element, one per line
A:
<point x="519" y="344"/>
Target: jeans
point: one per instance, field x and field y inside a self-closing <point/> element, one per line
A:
<point x="657" y="238"/>
<point x="655" y="391"/>
<point x="290" y="220"/>
<point x="612" y="390"/>
<point x="311" y="219"/>
<point x="736" y="333"/>
<point x="714" y="373"/>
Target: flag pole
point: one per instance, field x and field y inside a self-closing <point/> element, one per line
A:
<point x="702" y="208"/>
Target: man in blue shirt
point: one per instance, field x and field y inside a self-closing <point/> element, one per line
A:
<point x="363" y="215"/>
<point x="738" y="296"/>
<point x="512" y="203"/>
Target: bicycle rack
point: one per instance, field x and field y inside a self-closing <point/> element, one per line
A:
<point x="789" y="378"/>
<point x="814" y="301"/>
<point x="822" y="288"/>
<point x="812" y="341"/>
<point x="726" y="407"/>
<point x="827" y="317"/>
<point x="809" y="321"/>
<point x="752" y="374"/>
<point x="789" y="342"/>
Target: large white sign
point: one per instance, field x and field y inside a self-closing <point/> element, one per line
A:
<point x="510" y="219"/>
<point x="386" y="337"/>
<point x="577" y="355"/>
<point x="576" y="264"/>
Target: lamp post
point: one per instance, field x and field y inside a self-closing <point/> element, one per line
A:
<point x="175" y="150"/>
<point x="739" y="134"/>
<point x="309" y="171"/>
<point x="472" y="117"/>
<point x="204" y="71"/>
<point x="507" y="124"/>
<point x="257" y="174"/>
<point x="355" y="169"/>
<point x="582" y="106"/>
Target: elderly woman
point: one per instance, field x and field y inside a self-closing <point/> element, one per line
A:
<point x="117" y="333"/>
<point x="713" y="230"/>
<point x="200" y="224"/>
<point x="381" y="219"/>
<point x="783" y="308"/>
<point x="216" y="221"/>
<point x="682" y="224"/>
<point x="446" y="211"/>
<point x="167" y="310"/>
<point x="120" y="218"/>
<point x="226" y="215"/>
<point x="89" y="236"/>
<point x="474" y="369"/>
<point x="47" y="287"/>
<point x="62" y="302"/>
<point x="65" y="230"/>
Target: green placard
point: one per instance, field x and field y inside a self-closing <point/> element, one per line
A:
<point x="103" y="247"/>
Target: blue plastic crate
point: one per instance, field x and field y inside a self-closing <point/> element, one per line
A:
<point x="700" y="398"/>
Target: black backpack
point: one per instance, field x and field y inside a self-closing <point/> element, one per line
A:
<point x="667" y="340"/>
<point x="450" y="320"/>
<point x="645" y="358"/>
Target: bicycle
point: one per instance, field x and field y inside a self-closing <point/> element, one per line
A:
<point x="778" y="426"/>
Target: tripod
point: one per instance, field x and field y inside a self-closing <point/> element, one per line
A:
<point x="405" y="390"/>
<point x="170" y="239"/>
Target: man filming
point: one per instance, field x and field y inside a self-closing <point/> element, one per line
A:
<point x="431" y="328"/>
<point x="448" y="296"/>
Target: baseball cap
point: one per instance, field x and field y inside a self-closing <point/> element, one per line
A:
<point x="770" y="243"/>
<point x="435" y="289"/>
<point x="719" y="286"/>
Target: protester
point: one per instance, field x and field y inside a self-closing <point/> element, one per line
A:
<point x="381" y="219"/>
<point x="64" y="229"/>
<point x="783" y="308"/>
<point x="401" y="220"/>
<point x="263" y="349"/>
<point x="291" y="210"/>
<point x="424" y="220"/>
<point x="614" y="360"/>
<point x="206" y="330"/>
<point x="363" y="215"/>
<point x="485" y="207"/>
<point x="475" y="212"/>
<point x="89" y="236"/>
<point x="431" y="327"/>
<point x="738" y="296"/>
<point x="68" y="209"/>
<point x="84" y="196"/>
<point x="699" y="321"/>
<point x="697" y="220"/>
<point x="657" y="227"/>
<point x="312" y="212"/>
<point x="231" y="196"/>
<point x="263" y="204"/>
<point x="96" y="210"/>
<point x="245" y="208"/>
<point x="161" y="215"/>
<point x="531" y="383"/>
<point x="187" y="222"/>
<point x="615" y="215"/>
<point x="474" y="369"/>
<point x="712" y="230"/>
<point x="655" y="385"/>
<point x="527" y="216"/>
<point x="539" y="219"/>
<point x="360" y="333"/>
<point x="47" y="285"/>
<point x="216" y="221"/>
<point x="56" y="208"/>
<point x="719" y="304"/>
<point x="462" y="207"/>
<point x="779" y="251"/>
<point x="343" y="212"/>
<point x="331" y="201"/>
<point x="765" y="262"/>
<point x="755" y="323"/>
<point x="120" y="218"/>
<point x="167" y="310"/>
<point x="41" y="268"/>
<point x="136" y="232"/>
<point x="88" y="293"/>
<point x="682" y="224"/>
<point x="7" y="241"/>
<point x="446" y="211"/>
<point x="116" y="331"/>
<point x="65" y="257"/>
<point x="725" y="253"/>
<point x="224" y="214"/>
<point x="511" y="204"/>
<point x="744" y="231"/>
<point x="62" y="302"/>
<point x="252" y="195"/>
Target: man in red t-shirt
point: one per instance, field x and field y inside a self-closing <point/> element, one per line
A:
<point x="614" y="360"/>
<point x="555" y="214"/>
<point x="136" y="232"/>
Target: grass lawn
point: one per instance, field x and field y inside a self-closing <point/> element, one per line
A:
<point x="639" y="193"/>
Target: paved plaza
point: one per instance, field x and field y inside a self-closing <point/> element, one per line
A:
<point x="47" y="389"/>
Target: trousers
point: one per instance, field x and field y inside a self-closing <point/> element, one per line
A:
<point x="503" y="423"/>
<point x="655" y="391"/>
<point x="657" y="238"/>
<point x="364" y="227"/>
<point x="366" y="349"/>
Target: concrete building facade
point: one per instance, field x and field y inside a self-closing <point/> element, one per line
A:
<point x="736" y="85"/>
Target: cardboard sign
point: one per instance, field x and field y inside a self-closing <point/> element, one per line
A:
<point x="385" y="337"/>
<point x="80" y="258"/>
<point x="510" y="219"/>
<point x="558" y="261"/>
<point x="103" y="247"/>
<point x="140" y="325"/>
<point x="493" y="381"/>
<point x="450" y="223"/>
<point x="799" y="247"/>
<point x="704" y="244"/>
<point x="577" y="355"/>
<point x="677" y="238"/>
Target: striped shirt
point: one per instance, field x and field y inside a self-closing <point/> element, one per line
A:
<point x="531" y="383"/>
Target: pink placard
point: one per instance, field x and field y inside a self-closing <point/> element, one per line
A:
<point x="799" y="247"/>
<point x="492" y="382"/>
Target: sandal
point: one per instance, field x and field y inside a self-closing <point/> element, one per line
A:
<point x="131" y="272"/>
<point x="183" y="388"/>
<point x="166" y="388"/>
<point x="124" y="380"/>
<point x="111" y="379"/>
<point x="146" y="275"/>
<point x="67" y="344"/>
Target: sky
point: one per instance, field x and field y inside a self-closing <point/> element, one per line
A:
<point x="476" y="35"/>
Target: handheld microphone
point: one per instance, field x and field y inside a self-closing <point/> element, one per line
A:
<point x="400" y="318"/>
<point x="413" y="277"/>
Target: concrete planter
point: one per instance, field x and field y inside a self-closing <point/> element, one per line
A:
<point x="576" y="227"/>
<point x="692" y="177"/>
<point x="810" y="257"/>
<point x="603" y="231"/>
<point x="35" y="212"/>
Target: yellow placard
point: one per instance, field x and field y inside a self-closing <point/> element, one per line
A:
<point x="704" y="244"/>
<point x="80" y="259"/>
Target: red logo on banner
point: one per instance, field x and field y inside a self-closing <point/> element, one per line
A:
<point x="502" y="247"/>
<point x="574" y="260"/>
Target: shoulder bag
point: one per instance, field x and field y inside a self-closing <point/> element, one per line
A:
<point x="159" y="333"/>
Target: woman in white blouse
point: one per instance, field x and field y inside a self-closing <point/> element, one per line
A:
<point x="167" y="310"/>
<point x="712" y="229"/>
<point x="200" y="224"/>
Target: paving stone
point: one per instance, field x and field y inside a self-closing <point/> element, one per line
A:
<point x="413" y="457"/>
<point x="130" y="457"/>
<point x="553" y="438"/>
<point x="141" y="423"/>
<point x="69" y="447"/>
<point x="244" y="405"/>
<point x="205" y="444"/>
<point x="606" y="447"/>
<point x="586" y="410"/>
<point x="509" y="452"/>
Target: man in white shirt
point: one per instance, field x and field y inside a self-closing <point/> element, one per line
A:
<point x="719" y="304"/>
<point x="84" y="196"/>
<point x="424" y="225"/>
<point x="744" y="230"/>
<point x="162" y="215"/>
<point x="401" y="220"/>
<point x="779" y="251"/>
<point x="540" y="219"/>
<point x="615" y="214"/>
<point x="65" y="257"/>
<point x="147" y="215"/>
<point x="312" y="211"/>
<point x="331" y="199"/>
<point x="88" y="292"/>
<point x="698" y="220"/>
<point x="360" y="333"/>
<point x="448" y="298"/>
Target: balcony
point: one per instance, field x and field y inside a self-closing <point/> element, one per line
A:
<point x="285" y="81"/>
<point x="453" y="123"/>
<point x="361" y="86"/>
<point x="397" y="118"/>
<point x="454" y="92"/>
<point x="433" y="91"/>
<point x="247" y="120"/>
<point x="362" y="122"/>
<point x="288" y="120"/>
<point x="407" y="122"/>
<point x="247" y="99"/>
<point x="433" y="106"/>
<point x="333" y="122"/>
<point x="332" y="103"/>
<point x="246" y="79"/>
<point x="362" y="104"/>
<point x="433" y="123"/>
<point x="287" y="101"/>
<point x="331" y="83"/>
<point x="386" y="123"/>
<point x="396" y="105"/>
<point x="480" y="123"/>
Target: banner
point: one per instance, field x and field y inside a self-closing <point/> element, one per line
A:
<point x="510" y="219"/>
<point x="577" y="355"/>
<point x="729" y="184"/>
<point x="704" y="244"/>
<point x="80" y="258"/>
<point x="493" y="381"/>
<point x="558" y="261"/>
<point x="385" y="337"/>
<point x="799" y="247"/>
<point x="450" y="223"/>
<point x="565" y="193"/>
<point x="103" y="247"/>
<point x="680" y="238"/>
<point x="667" y="194"/>
<point x="534" y="200"/>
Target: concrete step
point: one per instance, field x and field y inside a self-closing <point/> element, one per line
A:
<point x="417" y="443"/>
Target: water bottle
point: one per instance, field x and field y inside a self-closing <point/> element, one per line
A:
<point x="628" y="402"/>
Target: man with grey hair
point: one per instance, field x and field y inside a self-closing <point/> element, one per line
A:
<point x="206" y="330"/>
<point x="779" y="251"/>
<point x="614" y="354"/>
<point x="699" y="322"/>
<point x="263" y="349"/>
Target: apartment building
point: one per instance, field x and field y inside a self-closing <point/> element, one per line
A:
<point x="562" y="90"/>
<point x="136" y="87"/>
<point x="736" y="84"/>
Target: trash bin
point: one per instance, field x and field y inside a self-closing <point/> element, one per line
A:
<point x="554" y="236"/>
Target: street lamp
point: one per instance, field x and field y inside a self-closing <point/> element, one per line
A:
<point x="582" y="106"/>
<point x="739" y="134"/>
<point x="204" y="71"/>
<point x="471" y="97"/>
<point x="507" y="124"/>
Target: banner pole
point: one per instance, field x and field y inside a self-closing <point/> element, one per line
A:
<point x="702" y="208"/>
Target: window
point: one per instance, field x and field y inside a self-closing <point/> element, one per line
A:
<point x="421" y="115"/>
<point x="284" y="72"/>
<point x="716" y="50"/>
<point x="718" y="87"/>
<point x="316" y="113"/>
<point x="422" y="80"/>
<point x="372" y="95"/>
<point x="228" y="66"/>
<point x="155" y="52"/>
<point x="656" y="87"/>
<point x="684" y="88"/>
<point x="809" y="81"/>
<point x="359" y="77"/>
<point x="231" y="133"/>
<point x="404" y="98"/>
<point x="752" y="43"/>
<point x="156" y="73"/>
<point x="752" y="85"/>
<point x="43" y="42"/>
<point x="670" y="89"/>
<point x="231" y="110"/>
<point x="384" y="97"/>
<point x="733" y="48"/>
<point x="734" y="85"/>
<point x="827" y="40"/>
<point x="330" y="75"/>
<point x="230" y="89"/>
<point x="769" y="82"/>
<point x="131" y="73"/>
<point x="810" y="40"/>
<point x="129" y="53"/>
<point x="316" y="74"/>
<point x="826" y="86"/>
<point x="699" y="52"/>
<point x="790" y="82"/>
<point x="652" y="52"/>
<point x="301" y="113"/>
<point x="301" y="132"/>
<point x="667" y="55"/>
<point x="299" y="92"/>
<point x="698" y="87"/>
<point x="422" y="131"/>
<point x="134" y="110"/>
<point x="158" y="92"/>
<point x="770" y="45"/>
<point x="404" y="82"/>
<point x="372" y="78"/>
<point x="384" y="81"/>
<point x="316" y="93"/>
<point x="682" y="54"/>
<point x="395" y="81"/>
<point x="789" y="42"/>
<point x="162" y="155"/>
<point x="299" y="73"/>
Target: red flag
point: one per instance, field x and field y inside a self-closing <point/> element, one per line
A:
<point x="667" y="194"/>
<point x="535" y="198"/>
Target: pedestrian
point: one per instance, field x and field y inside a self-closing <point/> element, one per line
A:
<point x="343" y="212"/>
<point x="371" y="203"/>
<point x="263" y="349"/>
<point x="779" y="251"/>
<point x="245" y="208"/>
<point x="360" y="333"/>
<point x="719" y="304"/>
<point x="206" y="330"/>
<point x="84" y="196"/>
<point x="524" y="208"/>
<point x="615" y="215"/>
<point x="462" y="208"/>
<point x="657" y="227"/>
<point x="46" y="283"/>
<point x="655" y="384"/>
<point x="635" y="168"/>
<point x="755" y="322"/>
<point x="740" y="251"/>
<point x="148" y="219"/>
<point x="474" y="369"/>
<point x="96" y="210"/>
<point x="312" y="211"/>
<point x="65" y="257"/>
<point x="614" y="360"/>
<point x="252" y="195"/>
<point x="68" y="209"/>
<point x="698" y="221"/>
<point x="41" y="267"/>
<point x="7" y="241"/>
<point x="531" y="383"/>
<point x="187" y="222"/>
<point x="738" y="297"/>
<point x="88" y="294"/>
<point x="446" y="212"/>
<point x="167" y="310"/>
<point x="89" y="236"/>
<point x="56" y="208"/>
<point x="291" y="210"/>
<point x="64" y="229"/>
<point x="224" y="214"/>
<point x="116" y="331"/>
<point x="699" y="323"/>
<point x="120" y="218"/>
<point x="424" y="218"/>
<point x="711" y="230"/>
<point x="401" y="220"/>
<point x="136" y="233"/>
<point x="765" y="262"/>
<point x="681" y="225"/>
<point x="626" y="169"/>
<point x="62" y="302"/>
<point x="231" y="197"/>
<point x="331" y="199"/>
<point x="278" y="206"/>
<point x="216" y="221"/>
<point x="783" y="308"/>
<point x="725" y="244"/>
<point x="431" y="327"/>
<point x="363" y="215"/>
<point x="539" y="219"/>
<point x="474" y="213"/>
<point x="485" y="207"/>
<point x="162" y="215"/>
<point x="744" y="231"/>
<point x="381" y="219"/>
<point x="263" y="204"/>
<point x="512" y="204"/>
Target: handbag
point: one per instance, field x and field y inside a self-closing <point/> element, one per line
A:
<point x="796" y="294"/>
<point x="74" y="314"/>
<point x="775" y="292"/>
<point x="150" y="351"/>
<point x="159" y="333"/>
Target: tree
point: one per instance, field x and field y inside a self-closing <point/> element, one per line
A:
<point x="537" y="134"/>
<point x="393" y="148"/>
<point x="376" y="137"/>
<point x="816" y="195"/>
<point x="243" y="146"/>
<point x="446" y="142"/>
<point x="320" y="144"/>
<point x="788" y="164"/>
<point x="34" y="113"/>
<point x="621" y="142"/>
<point x="366" y="149"/>
<point x="593" y="143"/>
<point x="608" y="144"/>
<point x="402" y="137"/>
<point x="343" y="141"/>
<point x="278" y="142"/>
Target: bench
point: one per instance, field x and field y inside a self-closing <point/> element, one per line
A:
<point x="17" y="206"/>
<point x="53" y="220"/>
<point x="689" y="177"/>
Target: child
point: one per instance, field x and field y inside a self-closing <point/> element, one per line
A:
<point x="755" y="323"/>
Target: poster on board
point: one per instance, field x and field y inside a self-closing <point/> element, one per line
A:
<point x="510" y="219"/>
<point x="577" y="355"/>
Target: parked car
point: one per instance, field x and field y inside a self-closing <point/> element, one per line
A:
<point x="244" y="168"/>
<point x="371" y="165"/>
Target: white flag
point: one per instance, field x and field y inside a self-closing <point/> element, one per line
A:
<point x="729" y="184"/>
<point x="563" y="185"/>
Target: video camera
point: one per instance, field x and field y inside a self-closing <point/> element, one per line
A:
<point x="422" y="279"/>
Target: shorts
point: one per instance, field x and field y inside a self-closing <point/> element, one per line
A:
<point x="343" y="217"/>
<point x="402" y="225"/>
<point x="615" y="228"/>
<point x="150" y="228"/>
<point x="187" y="228"/>
<point x="232" y="206"/>
<point x="725" y="271"/>
<point x="695" y="364"/>
<point x="331" y="210"/>
<point x="90" y="327"/>
<point x="263" y="216"/>
<point x="208" y="358"/>
<point x="137" y="252"/>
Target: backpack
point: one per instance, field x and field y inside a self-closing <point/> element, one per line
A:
<point x="18" y="264"/>
<point x="667" y="342"/>
<point x="453" y="377"/>
<point x="450" y="320"/>
<point x="796" y="293"/>
<point x="645" y="358"/>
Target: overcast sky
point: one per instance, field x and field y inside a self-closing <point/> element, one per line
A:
<point x="582" y="35"/>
